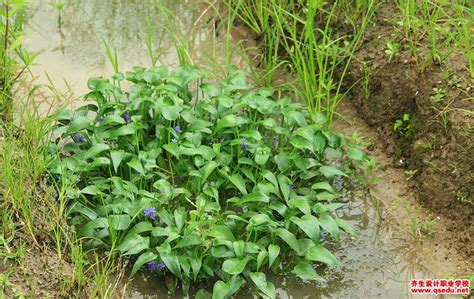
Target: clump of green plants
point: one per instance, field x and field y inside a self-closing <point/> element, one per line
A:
<point x="403" y="126"/>
<point x="14" y="60"/>
<point x="201" y="181"/>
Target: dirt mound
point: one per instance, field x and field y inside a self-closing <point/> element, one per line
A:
<point x="424" y="120"/>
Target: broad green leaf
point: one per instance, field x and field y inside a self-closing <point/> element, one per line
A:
<point x="221" y="232"/>
<point x="95" y="150"/>
<point x="172" y="148"/>
<point x="306" y="271"/>
<point x="254" y="197"/>
<point x="320" y="254"/>
<point x="133" y="244"/>
<point x="301" y="203"/>
<point x="141" y="227"/>
<point x="285" y="183"/>
<point x="289" y="238"/>
<point x="262" y="255"/>
<point x="346" y="227"/>
<point x="112" y="120"/>
<point x="260" y="281"/>
<point x="119" y="222"/>
<point x="128" y="129"/>
<point x="226" y="122"/>
<point x="172" y="263"/>
<point x="323" y="186"/>
<point x="91" y="190"/>
<point x="309" y="224"/>
<point x="78" y="124"/>
<point x="238" y="182"/>
<point x="328" y="223"/>
<point x="170" y="112"/>
<point x="330" y="171"/>
<point x="208" y="169"/>
<point x="117" y="157"/>
<point x="234" y="266"/>
<point x="273" y="252"/>
<point x="251" y="134"/>
<point x="189" y="240"/>
<point x="142" y="259"/>
<point x="220" y="290"/>
<point x="355" y="154"/>
<point x="137" y="165"/>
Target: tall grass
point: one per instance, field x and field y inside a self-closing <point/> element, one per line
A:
<point x="318" y="57"/>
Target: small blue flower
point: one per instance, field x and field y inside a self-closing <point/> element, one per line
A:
<point x="101" y="119"/>
<point x="178" y="129"/>
<point x="243" y="145"/>
<point x="160" y="267"/>
<point x="79" y="138"/>
<point x="292" y="187"/>
<point x="126" y="116"/>
<point x="174" y="140"/>
<point x="150" y="212"/>
<point x="152" y="266"/>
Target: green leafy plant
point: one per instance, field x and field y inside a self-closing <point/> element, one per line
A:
<point x="403" y="125"/>
<point x="439" y="94"/>
<point x="200" y="180"/>
<point x="392" y="50"/>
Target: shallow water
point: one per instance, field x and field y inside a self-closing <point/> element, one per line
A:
<point x="74" y="51"/>
<point x="371" y="264"/>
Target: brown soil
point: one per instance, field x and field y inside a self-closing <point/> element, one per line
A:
<point x="439" y="144"/>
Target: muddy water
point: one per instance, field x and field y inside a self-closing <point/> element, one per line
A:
<point x="70" y="52"/>
<point x="71" y="40"/>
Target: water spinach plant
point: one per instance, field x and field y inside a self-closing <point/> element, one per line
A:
<point x="200" y="180"/>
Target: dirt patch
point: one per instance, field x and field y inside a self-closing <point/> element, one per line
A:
<point x="39" y="274"/>
<point x="432" y="141"/>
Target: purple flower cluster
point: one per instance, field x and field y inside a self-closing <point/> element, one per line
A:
<point x="79" y="138"/>
<point x="153" y="266"/>
<point x="178" y="129"/>
<point x="150" y="212"/>
<point x="126" y="116"/>
<point x="101" y="119"/>
<point x="174" y="140"/>
<point x="243" y="145"/>
<point x="292" y="187"/>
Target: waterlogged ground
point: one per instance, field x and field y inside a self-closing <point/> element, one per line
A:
<point x="378" y="263"/>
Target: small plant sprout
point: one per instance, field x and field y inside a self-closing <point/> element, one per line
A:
<point x="392" y="50"/>
<point x="439" y="94"/>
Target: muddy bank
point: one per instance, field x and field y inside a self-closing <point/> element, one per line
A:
<point x="434" y="144"/>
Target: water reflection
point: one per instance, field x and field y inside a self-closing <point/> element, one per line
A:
<point x="75" y="51"/>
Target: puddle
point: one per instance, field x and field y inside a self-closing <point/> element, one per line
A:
<point x="372" y="265"/>
<point x="75" y="51"/>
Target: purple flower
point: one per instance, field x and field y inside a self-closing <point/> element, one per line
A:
<point x="126" y="116"/>
<point x="243" y="145"/>
<point x="150" y="212"/>
<point x="178" y="129"/>
<point x="160" y="267"/>
<point x="174" y="140"/>
<point x="101" y="119"/>
<point x="292" y="187"/>
<point x="152" y="266"/>
<point x="79" y="138"/>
